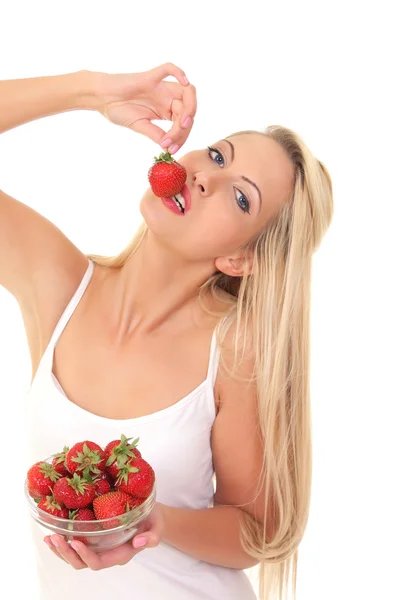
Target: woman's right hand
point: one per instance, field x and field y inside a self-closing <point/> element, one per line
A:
<point x="134" y="100"/>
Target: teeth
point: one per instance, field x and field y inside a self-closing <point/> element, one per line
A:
<point x="180" y="201"/>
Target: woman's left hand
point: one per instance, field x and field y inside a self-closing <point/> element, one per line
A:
<point x="79" y="556"/>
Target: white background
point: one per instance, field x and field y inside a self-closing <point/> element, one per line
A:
<point x="327" y="70"/>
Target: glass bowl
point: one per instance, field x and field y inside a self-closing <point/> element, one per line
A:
<point x="98" y="535"/>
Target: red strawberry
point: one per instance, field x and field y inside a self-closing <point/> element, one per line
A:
<point x="167" y="177"/>
<point x="58" y="462"/>
<point x="101" y="485"/>
<point x="41" y="478"/>
<point x="50" y="505"/>
<point x="86" y="458"/>
<point x="83" y="514"/>
<point x="136" y="478"/>
<point x="74" y="492"/>
<point x="119" y="452"/>
<point x="113" y="504"/>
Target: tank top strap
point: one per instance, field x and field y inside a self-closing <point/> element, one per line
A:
<point x="73" y="303"/>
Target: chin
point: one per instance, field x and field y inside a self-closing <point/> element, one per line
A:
<point x="148" y="207"/>
<point x="155" y="216"/>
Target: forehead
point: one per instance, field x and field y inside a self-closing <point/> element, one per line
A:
<point x="265" y="162"/>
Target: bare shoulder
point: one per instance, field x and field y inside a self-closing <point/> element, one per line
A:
<point x="56" y="287"/>
<point x="41" y="268"/>
<point x="237" y="364"/>
<point x="50" y="294"/>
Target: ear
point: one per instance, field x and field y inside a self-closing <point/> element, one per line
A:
<point x="234" y="267"/>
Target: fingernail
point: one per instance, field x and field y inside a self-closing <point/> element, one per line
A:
<point x="186" y="122"/>
<point x="185" y="80"/>
<point x="75" y="546"/>
<point x="55" y="542"/>
<point x="49" y="544"/>
<point x="174" y="149"/>
<point x="139" y="542"/>
<point x="166" y="143"/>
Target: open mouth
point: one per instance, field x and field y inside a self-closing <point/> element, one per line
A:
<point x="180" y="202"/>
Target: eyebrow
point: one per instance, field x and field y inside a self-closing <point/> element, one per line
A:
<point x="243" y="177"/>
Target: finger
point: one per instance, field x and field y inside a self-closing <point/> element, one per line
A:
<point x="67" y="553"/>
<point x="176" y="136"/>
<point x="150" y="538"/>
<point x="52" y="548"/>
<point x="147" y="539"/>
<point x="183" y="112"/>
<point x="147" y="128"/>
<point x="156" y="522"/>
<point x="87" y="556"/>
<point x="169" y="69"/>
<point x="189" y="109"/>
<point x="109" y="558"/>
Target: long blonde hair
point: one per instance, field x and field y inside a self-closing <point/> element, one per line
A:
<point x="275" y="298"/>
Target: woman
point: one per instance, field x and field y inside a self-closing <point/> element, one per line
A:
<point x="195" y="339"/>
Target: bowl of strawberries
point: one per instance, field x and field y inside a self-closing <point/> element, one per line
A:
<point x="100" y="496"/>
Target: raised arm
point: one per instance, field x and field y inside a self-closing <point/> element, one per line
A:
<point x="31" y="248"/>
<point x="25" y="100"/>
<point x="33" y="251"/>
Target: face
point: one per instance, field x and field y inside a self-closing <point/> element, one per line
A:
<point x="236" y="186"/>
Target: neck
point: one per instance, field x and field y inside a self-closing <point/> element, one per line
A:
<point x="155" y="287"/>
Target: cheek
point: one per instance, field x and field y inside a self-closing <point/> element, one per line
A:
<point x="221" y="232"/>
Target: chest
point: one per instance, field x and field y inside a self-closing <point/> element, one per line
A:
<point x="151" y="374"/>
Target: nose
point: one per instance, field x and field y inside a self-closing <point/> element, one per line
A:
<point x="204" y="182"/>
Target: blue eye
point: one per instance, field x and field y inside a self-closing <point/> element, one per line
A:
<point x="210" y="151"/>
<point x="242" y="201"/>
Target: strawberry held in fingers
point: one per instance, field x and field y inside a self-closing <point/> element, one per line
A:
<point x="166" y="177"/>
<point x="87" y="458"/>
<point x="136" y="478"/>
<point x="74" y="492"/>
<point x="41" y="479"/>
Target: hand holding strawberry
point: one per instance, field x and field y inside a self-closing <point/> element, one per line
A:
<point x="134" y="100"/>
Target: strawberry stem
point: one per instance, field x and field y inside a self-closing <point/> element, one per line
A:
<point x="164" y="157"/>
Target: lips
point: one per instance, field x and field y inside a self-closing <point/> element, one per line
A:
<point x="173" y="206"/>
<point x="188" y="200"/>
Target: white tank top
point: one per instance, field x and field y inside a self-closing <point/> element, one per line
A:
<point x="176" y="442"/>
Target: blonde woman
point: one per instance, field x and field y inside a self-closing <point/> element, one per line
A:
<point x="195" y="338"/>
